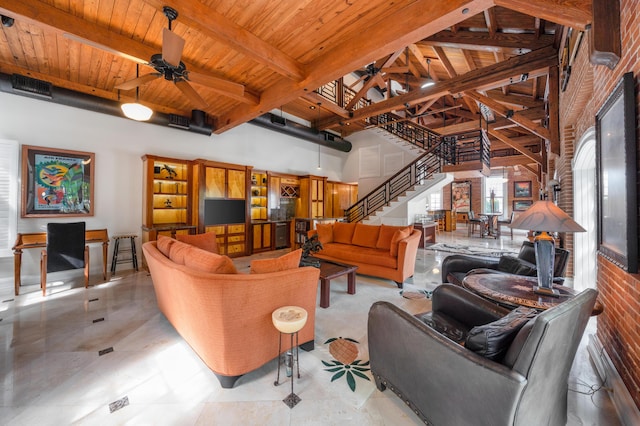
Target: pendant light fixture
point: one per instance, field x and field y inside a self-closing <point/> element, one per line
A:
<point x="318" y="128"/>
<point x="136" y="111"/>
<point x="428" y="81"/>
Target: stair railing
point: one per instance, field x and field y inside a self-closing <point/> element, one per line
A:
<point x="417" y="172"/>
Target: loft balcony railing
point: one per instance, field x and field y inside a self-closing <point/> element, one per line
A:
<point x="468" y="147"/>
<point x="406" y="130"/>
<point x="417" y="172"/>
<point x="338" y="93"/>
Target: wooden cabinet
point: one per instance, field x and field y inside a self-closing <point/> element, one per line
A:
<point x="167" y="197"/>
<point x="262" y="234"/>
<point x="223" y="204"/>
<point x="312" y="196"/>
<point x="259" y="196"/>
<point x="339" y="197"/>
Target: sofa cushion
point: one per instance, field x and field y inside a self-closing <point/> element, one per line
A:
<point x="363" y="255"/>
<point x="164" y="244"/>
<point x="178" y="252"/>
<point x="325" y="232"/>
<point x="343" y="232"/>
<point x="288" y="261"/>
<point x="514" y="265"/>
<point x="386" y="234"/>
<point x="365" y="235"/>
<point x="398" y="236"/>
<point x="206" y="241"/>
<point x="207" y="261"/>
<point x="493" y="339"/>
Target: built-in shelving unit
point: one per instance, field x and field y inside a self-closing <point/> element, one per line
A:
<point x="259" y="196"/>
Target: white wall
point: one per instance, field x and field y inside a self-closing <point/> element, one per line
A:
<point x="119" y="143"/>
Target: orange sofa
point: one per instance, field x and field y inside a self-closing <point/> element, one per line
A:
<point x="223" y="315"/>
<point x="379" y="250"/>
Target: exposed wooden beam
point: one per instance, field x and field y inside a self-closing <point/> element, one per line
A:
<point x="575" y="13"/>
<point x="448" y="66"/>
<point x="414" y="22"/>
<point x="215" y="25"/>
<point x="524" y="151"/>
<point x="553" y="101"/>
<point x="605" y="44"/>
<point x="314" y="98"/>
<point x="525" y="123"/>
<point x="512" y="67"/>
<point x="75" y="28"/>
<point x="499" y="42"/>
<point x="512" y="160"/>
<point x="516" y="100"/>
<point x="491" y="21"/>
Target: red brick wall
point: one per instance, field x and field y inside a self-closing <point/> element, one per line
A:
<point x="619" y="324"/>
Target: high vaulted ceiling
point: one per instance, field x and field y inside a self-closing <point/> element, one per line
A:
<point x="245" y="58"/>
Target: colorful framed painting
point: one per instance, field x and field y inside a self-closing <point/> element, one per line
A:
<point x="521" y="205"/>
<point x="461" y="196"/>
<point x="522" y="189"/>
<point x="56" y="182"/>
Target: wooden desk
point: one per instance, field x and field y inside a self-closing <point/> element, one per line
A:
<point x="512" y="291"/>
<point x="39" y="240"/>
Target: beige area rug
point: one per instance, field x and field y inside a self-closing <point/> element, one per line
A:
<point x="339" y="368"/>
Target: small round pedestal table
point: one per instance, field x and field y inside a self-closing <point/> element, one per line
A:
<point x="289" y="320"/>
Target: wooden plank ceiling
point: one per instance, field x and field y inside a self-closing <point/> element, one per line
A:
<point x="245" y="58"/>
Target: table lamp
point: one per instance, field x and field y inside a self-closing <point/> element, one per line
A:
<point x="544" y="217"/>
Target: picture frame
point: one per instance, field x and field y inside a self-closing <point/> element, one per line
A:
<point x="522" y="189"/>
<point x="616" y="176"/>
<point x="461" y="196"/>
<point x="521" y="205"/>
<point x="56" y="182"/>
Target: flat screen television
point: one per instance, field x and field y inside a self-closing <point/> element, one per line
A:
<point x="219" y="212"/>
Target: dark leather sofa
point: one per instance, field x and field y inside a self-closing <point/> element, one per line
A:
<point x="457" y="266"/>
<point x="446" y="383"/>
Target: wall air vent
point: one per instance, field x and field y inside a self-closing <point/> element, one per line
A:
<point x="31" y="86"/>
<point x="179" y="121"/>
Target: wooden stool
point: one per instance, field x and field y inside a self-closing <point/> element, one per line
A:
<point x="289" y="320"/>
<point x="116" y="251"/>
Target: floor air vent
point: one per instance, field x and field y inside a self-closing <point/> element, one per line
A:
<point x="31" y="85"/>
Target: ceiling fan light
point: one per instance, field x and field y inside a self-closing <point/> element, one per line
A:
<point x="136" y="111"/>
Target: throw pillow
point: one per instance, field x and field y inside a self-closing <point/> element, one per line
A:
<point x="206" y="241"/>
<point x="282" y="263"/>
<point x="164" y="244"/>
<point x="514" y="265"/>
<point x="492" y="340"/>
<point x="178" y="252"/>
<point x="386" y="234"/>
<point x="325" y="232"/>
<point x="206" y="261"/>
<point x="343" y="232"/>
<point x="365" y="235"/>
<point x="399" y="235"/>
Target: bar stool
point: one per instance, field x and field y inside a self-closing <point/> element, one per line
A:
<point x="117" y="249"/>
<point x="289" y="320"/>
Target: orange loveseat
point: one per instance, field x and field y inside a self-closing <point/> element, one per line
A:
<point x="223" y="315"/>
<point x="378" y="250"/>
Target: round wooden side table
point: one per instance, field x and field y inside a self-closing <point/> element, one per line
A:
<point x="289" y="320"/>
<point x="512" y="291"/>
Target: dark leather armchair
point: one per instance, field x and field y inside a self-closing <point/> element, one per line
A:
<point x="66" y="249"/>
<point x="457" y="266"/>
<point x="446" y="383"/>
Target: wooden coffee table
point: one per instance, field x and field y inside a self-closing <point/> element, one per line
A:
<point x="330" y="270"/>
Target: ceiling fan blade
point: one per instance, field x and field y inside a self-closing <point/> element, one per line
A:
<point x="191" y="94"/>
<point x="172" y="45"/>
<point x="216" y="83"/>
<point x="132" y="84"/>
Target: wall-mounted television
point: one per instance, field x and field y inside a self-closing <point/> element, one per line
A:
<point x="219" y="212"/>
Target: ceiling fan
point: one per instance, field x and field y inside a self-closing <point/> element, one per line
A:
<point x="168" y="65"/>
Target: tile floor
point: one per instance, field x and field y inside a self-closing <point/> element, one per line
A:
<point x="106" y="356"/>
